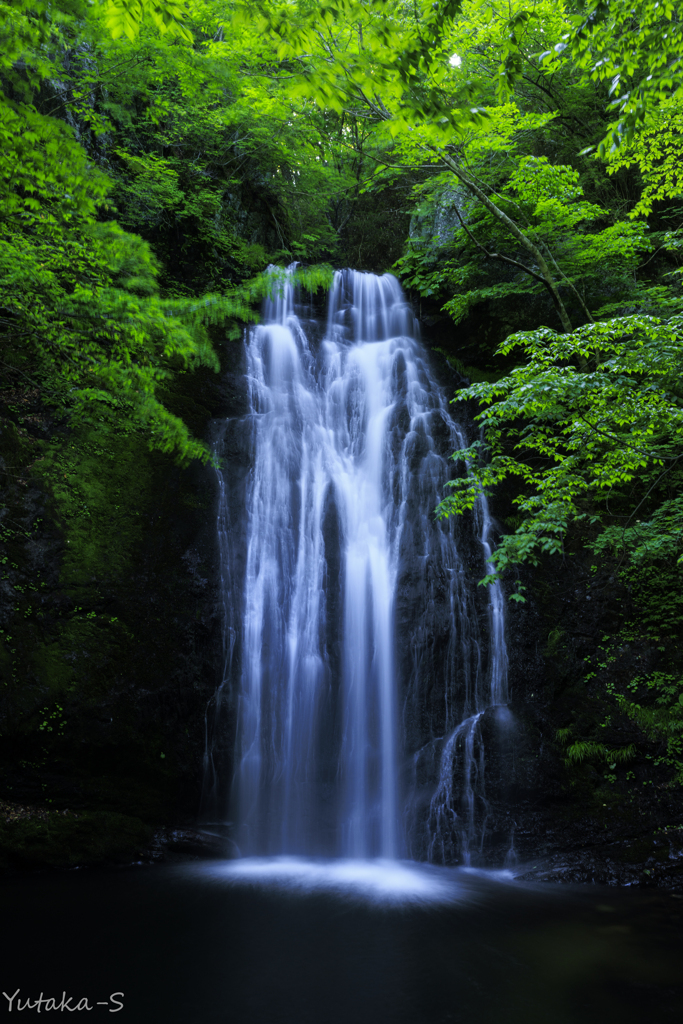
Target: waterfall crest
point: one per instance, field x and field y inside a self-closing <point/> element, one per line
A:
<point x="363" y="672"/>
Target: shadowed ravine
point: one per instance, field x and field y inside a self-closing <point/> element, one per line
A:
<point x="362" y="673"/>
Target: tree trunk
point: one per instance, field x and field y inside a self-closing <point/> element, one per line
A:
<point x="501" y="216"/>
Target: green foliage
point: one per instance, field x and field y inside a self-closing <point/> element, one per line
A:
<point x="294" y="94"/>
<point x="582" y="750"/>
<point x="662" y="720"/>
<point x="82" y="313"/>
<point x="639" y="52"/>
<point x="585" y="249"/>
<point x="78" y="298"/>
<point x="578" y="437"/>
<point x="83" y="317"/>
<point x="647" y="706"/>
<point x="125" y="17"/>
<point x="654" y="702"/>
<point x="655" y="589"/>
<point x="657" y="151"/>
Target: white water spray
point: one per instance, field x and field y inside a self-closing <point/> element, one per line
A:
<point x="357" y="608"/>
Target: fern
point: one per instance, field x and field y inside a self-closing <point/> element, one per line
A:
<point x="583" y="750"/>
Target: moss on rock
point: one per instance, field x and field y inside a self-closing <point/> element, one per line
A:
<point x="65" y="840"/>
<point x="110" y="640"/>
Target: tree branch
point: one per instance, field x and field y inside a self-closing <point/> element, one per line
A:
<point x="500" y="215"/>
<point x="497" y="255"/>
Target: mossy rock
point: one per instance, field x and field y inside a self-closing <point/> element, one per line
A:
<point x="64" y="840"/>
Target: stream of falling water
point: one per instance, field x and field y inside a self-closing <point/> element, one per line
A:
<point x="363" y="674"/>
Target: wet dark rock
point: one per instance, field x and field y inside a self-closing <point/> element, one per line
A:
<point x="561" y="819"/>
<point x="111" y="644"/>
<point x="647" y="861"/>
<point x="172" y="844"/>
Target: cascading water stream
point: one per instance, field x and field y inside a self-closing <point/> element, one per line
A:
<point x="357" y="620"/>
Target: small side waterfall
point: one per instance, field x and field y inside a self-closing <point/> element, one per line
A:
<point x="461" y="769"/>
<point x="363" y="672"/>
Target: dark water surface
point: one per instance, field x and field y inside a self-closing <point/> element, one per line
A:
<point x="289" y="942"/>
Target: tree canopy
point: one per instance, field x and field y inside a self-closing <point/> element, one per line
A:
<point x="158" y="155"/>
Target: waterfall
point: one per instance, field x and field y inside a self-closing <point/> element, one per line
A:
<point x="363" y="672"/>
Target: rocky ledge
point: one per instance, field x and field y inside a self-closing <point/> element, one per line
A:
<point x="647" y="861"/>
<point x="36" y="836"/>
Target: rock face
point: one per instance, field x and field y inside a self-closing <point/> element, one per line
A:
<point x="109" y="609"/>
<point x="613" y="813"/>
<point x="113" y="655"/>
<point x="593" y="817"/>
